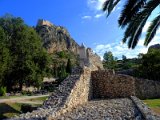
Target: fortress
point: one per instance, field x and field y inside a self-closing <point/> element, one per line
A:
<point x="42" y="22"/>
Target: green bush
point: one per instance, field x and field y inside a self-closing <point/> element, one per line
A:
<point x="24" y="92"/>
<point x="62" y="54"/>
<point x="27" y="108"/>
<point x="2" y="91"/>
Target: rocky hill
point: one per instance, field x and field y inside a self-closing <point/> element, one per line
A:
<point x="55" y="38"/>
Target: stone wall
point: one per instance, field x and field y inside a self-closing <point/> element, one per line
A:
<point x="43" y="22"/>
<point x="79" y="94"/>
<point x="145" y="111"/>
<point x="94" y="60"/>
<point x="147" y="88"/>
<point x="72" y="92"/>
<point x="108" y="85"/>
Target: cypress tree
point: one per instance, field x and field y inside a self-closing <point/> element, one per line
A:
<point x="69" y="67"/>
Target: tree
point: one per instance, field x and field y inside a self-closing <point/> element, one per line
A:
<point x="29" y="60"/>
<point x="124" y="58"/>
<point x="134" y="17"/>
<point x="150" y="65"/>
<point x="109" y="61"/>
<point x="108" y="56"/>
<point x="4" y="56"/>
<point x="140" y="55"/>
<point x="69" y="67"/>
<point x="62" y="72"/>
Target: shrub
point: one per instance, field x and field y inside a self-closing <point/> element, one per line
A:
<point x="27" y="108"/>
<point x="2" y="91"/>
<point x="24" y="92"/>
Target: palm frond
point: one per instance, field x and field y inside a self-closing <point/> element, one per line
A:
<point x="134" y="17"/>
<point x="152" y="30"/>
<point x="136" y="35"/>
<point x="109" y="5"/>
<point x="131" y="8"/>
<point x="134" y="29"/>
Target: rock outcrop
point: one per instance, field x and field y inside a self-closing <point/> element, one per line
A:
<point x="55" y="38"/>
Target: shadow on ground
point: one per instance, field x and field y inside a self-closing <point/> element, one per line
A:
<point x="6" y="110"/>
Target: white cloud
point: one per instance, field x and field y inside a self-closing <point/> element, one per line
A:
<point x="146" y="27"/>
<point x="119" y="49"/>
<point x="119" y="8"/>
<point x="95" y="4"/>
<point x="99" y="15"/>
<point x="158" y="31"/>
<point x="98" y="4"/>
<point x="86" y="17"/>
<point x="96" y="8"/>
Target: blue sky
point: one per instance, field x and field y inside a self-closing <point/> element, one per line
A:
<point x="84" y="20"/>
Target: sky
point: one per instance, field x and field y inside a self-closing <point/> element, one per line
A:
<point x="84" y="20"/>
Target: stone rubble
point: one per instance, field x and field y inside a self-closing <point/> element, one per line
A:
<point x="111" y="109"/>
<point x="55" y="102"/>
<point x="71" y="101"/>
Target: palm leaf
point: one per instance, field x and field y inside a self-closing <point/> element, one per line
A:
<point x="131" y="8"/>
<point x="136" y="25"/>
<point x="152" y="30"/>
<point x="109" y="5"/>
<point x="134" y="16"/>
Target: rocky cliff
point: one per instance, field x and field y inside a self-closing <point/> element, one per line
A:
<point x="55" y="38"/>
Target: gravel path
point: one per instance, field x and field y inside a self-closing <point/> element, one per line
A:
<point x="113" y="109"/>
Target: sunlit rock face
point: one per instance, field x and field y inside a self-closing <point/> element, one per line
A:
<point x="55" y="38"/>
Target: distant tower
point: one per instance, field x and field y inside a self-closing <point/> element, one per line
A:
<point x="84" y="60"/>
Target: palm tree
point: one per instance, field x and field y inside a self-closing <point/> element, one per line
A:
<point x="134" y="17"/>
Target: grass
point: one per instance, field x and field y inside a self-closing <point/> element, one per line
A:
<point x="8" y="110"/>
<point x="154" y="104"/>
<point x="7" y="97"/>
<point x="39" y="99"/>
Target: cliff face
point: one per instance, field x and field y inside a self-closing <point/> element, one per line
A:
<point x="55" y="38"/>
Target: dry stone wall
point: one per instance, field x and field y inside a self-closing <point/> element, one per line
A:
<point x="79" y="94"/>
<point x="147" y="88"/>
<point x="94" y="60"/>
<point x="73" y="91"/>
<point x="108" y="85"/>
